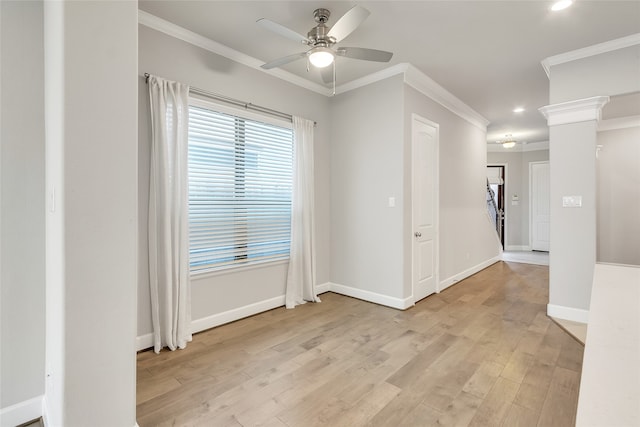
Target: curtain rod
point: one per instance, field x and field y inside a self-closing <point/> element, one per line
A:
<point x="237" y="102"/>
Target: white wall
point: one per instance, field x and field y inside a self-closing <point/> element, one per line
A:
<point x="367" y="167"/>
<point x="174" y="59"/>
<point x="517" y="182"/>
<point x="618" y="196"/>
<point x="467" y="238"/>
<point x="611" y="73"/>
<point x="91" y="228"/>
<point x="22" y="207"/>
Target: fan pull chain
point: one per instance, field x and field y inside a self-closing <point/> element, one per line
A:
<point x="334" y="78"/>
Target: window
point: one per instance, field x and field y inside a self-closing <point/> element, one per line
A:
<point x="240" y="185"/>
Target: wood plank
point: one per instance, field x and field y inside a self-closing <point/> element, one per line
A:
<point x="496" y="404"/>
<point x="483" y="379"/>
<point x="561" y="402"/>
<point x="460" y="411"/>
<point x="519" y="416"/>
<point x="517" y="366"/>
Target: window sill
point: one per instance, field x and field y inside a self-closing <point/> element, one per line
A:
<point x="233" y="269"/>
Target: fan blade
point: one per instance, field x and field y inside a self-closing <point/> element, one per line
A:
<point x="365" y="54"/>
<point x="284" y="60"/>
<point x="327" y="74"/>
<point x="348" y="22"/>
<point x="282" y="30"/>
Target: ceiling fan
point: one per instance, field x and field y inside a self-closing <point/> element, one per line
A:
<point x="321" y="40"/>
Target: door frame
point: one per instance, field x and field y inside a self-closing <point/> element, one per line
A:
<point x="436" y="198"/>
<point x="505" y="227"/>
<point x="531" y="164"/>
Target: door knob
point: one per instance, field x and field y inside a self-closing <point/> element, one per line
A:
<point x="417" y="234"/>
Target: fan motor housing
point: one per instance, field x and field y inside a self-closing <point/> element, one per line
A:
<point x="321" y="15"/>
<point x="318" y="34"/>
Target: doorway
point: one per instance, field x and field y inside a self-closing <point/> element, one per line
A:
<point x="539" y="206"/>
<point x="496" y="182"/>
<point x="424" y="196"/>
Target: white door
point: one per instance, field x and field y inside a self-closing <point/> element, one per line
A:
<point x="539" y="178"/>
<point x="424" y="141"/>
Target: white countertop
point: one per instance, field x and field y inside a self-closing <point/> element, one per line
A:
<point x="610" y="382"/>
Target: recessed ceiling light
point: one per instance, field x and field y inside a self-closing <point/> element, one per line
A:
<point x="518" y="110"/>
<point x="562" y="4"/>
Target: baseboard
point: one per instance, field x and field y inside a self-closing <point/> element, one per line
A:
<point x="199" y="325"/>
<point x="568" y="313"/>
<point x="236" y="314"/>
<point x="517" y="248"/>
<point x="321" y="289"/>
<point x="21" y="412"/>
<point x="386" y="300"/>
<point x="444" y="284"/>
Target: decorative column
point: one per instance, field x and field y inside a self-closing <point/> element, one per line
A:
<point x="572" y="255"/>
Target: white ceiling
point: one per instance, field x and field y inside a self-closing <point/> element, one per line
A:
<point x="487" y="53"/>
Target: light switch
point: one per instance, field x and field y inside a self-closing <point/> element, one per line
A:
<point x="392" y="202"/>
<point x="571" y="201"/>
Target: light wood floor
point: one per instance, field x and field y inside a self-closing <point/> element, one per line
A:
<point x="480" y="353"/>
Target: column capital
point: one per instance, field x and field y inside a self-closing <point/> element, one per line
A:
<point x="580" y="110"/>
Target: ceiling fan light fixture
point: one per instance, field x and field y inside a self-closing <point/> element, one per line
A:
<point x="321" y="57"/>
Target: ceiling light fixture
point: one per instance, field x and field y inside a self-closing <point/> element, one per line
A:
<point x="509" y="142"/>
<point x="321" y="57"/>
<point x="518" y="110"/>
<point x="561" y="4"/>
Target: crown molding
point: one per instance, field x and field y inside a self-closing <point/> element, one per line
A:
<point x="619" y="123"/>
<point x="372" y="78"/>
<point x="581" y="110"/>
<point x="535" y="146"/>
<point x="429" y="87"/>
<point x="519" y="148"/>
<point x="178" y="32"/>
<point x="423" y="84"/>
<point x="586" y="52"/>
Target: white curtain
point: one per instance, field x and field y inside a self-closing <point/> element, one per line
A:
<point x="302" y="262"/>
<point x="168" y="215"/>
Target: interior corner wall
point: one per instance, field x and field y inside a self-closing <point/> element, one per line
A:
<point x="618" y="196"/>
<point x="467" y="239"/>
<point x="517" y="182"/>
<point x="222" y="295"/>
<point x="367" y="167"/>
<point x="22" y="206"/>
<point x="91" y="228"/>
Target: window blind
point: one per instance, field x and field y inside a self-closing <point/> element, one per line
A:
<point x="240" y="185"/>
